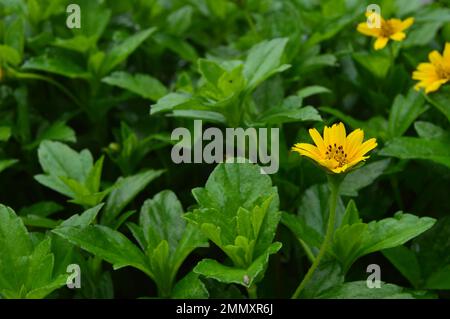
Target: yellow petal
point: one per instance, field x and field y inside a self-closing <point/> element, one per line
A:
<point x="366" y="30"/>
<point x="317" y="140"/>
<point x="342" y="133"/>
<point x="407" y="23"/>
<point x="434" y="86"/>
<point x="341" y="169"/>
<point x="380" y="43"/>
<point x="354" y="140"/>
<point x="327" y="136"/>
<point x="357" y="160"/>
<point x="365" y="147"/>
<point x="332" y="134"/>
<point x="447" y="51"/>
<point x="399" y="36"/>
<point x="306" y="152"/>
<point x="305" y="147"/>
<point x="339" y="134"/>
<point x="435" y="57"/>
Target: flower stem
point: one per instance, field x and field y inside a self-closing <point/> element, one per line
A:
<point x="334" y="183"/>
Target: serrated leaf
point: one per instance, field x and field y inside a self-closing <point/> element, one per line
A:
<point x="226" y="274"/>
<point x="107" y="244"/>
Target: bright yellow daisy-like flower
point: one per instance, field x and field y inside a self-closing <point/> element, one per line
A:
<point x="433" y="75"/>
<point x="336" y="151"/>
<point x="391" y="29"/>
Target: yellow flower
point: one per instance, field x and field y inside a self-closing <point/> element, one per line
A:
<point x="433" y="75"/>
<point x="337" y="152"/>
<point x="388" y="29"/>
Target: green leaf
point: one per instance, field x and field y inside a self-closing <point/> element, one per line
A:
<point x="440" y="279"/>
<point x="107" y="244"/>
<point x="120" y="52"/>
<point x="42" y="209"/>
<point x="177" y="45"/>
<point x="94" y="176"/>
<point x="9" y="55"/>
<point x="94" y="20"/>
<point x="264" y="60"/>
<point x="328" y="274"/>
<point x="315" y="62"/>
<point x="79" y="43"/>
<point x="5" y="133"/>
<point x="359" y="290"/>
<point x="284" y="114"/>
<point x="229" y="188"/>
<point x="362" y="177"/>
<point x="376" y="63"/>
<point x="166" y="239"/>
<point x="83" y="220"/>
<point x="171" y="101"/>
<point x="125" y="191"/>
<point x="352" y="241"/>
<point x="70" y="173"/>
<point x="27" y="265"/>
<point x="422" y="35"/>
<point x="429" y="130"/>
<point x="312" y="90"/>
<point x="418" y="148"/>
<point x="57" y="131"/>
<point x="4" y="164"/>
<point x="348" y="242"/>
<point x="40" y="222"/>
<point x="314" y="208"/>
<point x="179" y="21"/>
<point x="441" y="100"/>
<point x="351" y="215"/>
<point x="161" y="219"/>
<point x="57" y="64"/>
<point x="301" y="230"/>
<point x="210" y="70"/>
<point x="404" y="111"/>
<point x="245" y="277"/>
<point x="190" y="287"/>
<point x="432" y="253"/>
<point x="144" y="85"/>
<point x="406" y="262"/>
<point x="15" y="35"/>
<point x="58" y="159"/>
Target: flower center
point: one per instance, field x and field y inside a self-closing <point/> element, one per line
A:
<point x="386" y="30"/>
<point x="442" y="72"/>
<point x="337" y="153"/>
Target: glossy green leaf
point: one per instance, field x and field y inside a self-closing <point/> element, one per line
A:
<point x="226" y="274"/>
<point x="121" y="51"/>
<point x="418" y="148"/>
<point x="264" y="60"/>
<point x="404" y="111"/>
<point x="144" y="85"/>
<point x="125" y="191"/>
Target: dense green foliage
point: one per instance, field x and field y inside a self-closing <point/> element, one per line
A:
<point x="86" y="175"/>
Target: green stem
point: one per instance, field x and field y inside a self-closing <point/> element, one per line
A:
<point x="252" y="292"/>
<point x="334" y="182"/>
<point x="33" y="76"/>
<point x="308" y="251"/>
<point x="250" y="22"/>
